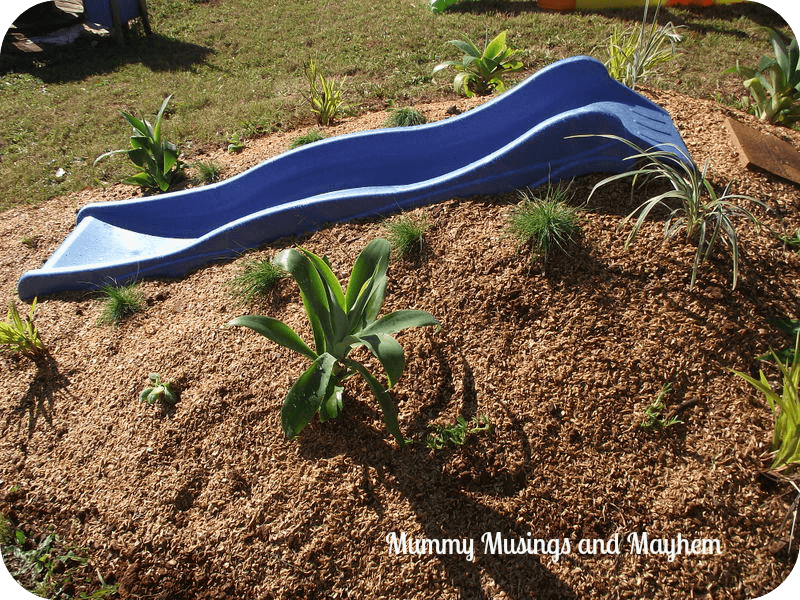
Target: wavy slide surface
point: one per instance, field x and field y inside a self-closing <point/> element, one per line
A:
<point x="517" y="139"/>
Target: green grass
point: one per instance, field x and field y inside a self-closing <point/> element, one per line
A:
<point x="405" y="117"/>
<point x="120" y="302"/>
<point x="406" y="235"/>
<point x="208" y="171"/>
<point x="61" y="110"/>
<point x="256" y="279"/>
<point x="545" y="222"/>
<point x="312" y="136"/>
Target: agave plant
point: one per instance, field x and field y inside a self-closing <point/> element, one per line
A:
<point x="341" y="321"/>
<point x="155" y="157"/>
<point x="479" y="72"/>
<point x="775" y="84"/>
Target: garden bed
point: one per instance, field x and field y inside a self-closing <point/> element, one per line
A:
<point x="210" y="500"/>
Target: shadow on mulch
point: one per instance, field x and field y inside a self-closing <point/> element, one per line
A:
<point x="37" y="402"/>
<point x="443" y="508"/>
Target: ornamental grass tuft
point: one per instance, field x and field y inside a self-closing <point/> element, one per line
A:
<point x="545" y="222"/>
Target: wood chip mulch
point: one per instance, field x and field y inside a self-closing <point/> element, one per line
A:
<point x="209" y="500"/>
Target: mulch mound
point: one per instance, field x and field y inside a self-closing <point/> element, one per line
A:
<point x="209" y="499"/>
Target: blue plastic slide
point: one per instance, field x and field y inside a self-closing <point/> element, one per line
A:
<point x="518" y="139"/>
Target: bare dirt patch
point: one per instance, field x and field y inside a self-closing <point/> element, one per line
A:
<point x="210" y="500"/>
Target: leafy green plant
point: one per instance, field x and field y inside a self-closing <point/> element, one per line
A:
<point x="158" y="392"/>
<point x="405" y="117"/>
<point x="456" y="434"/>
<point x="406" y="235"/>
<point x="324" y="96"/>
<point x="653" y="418"/>
<point x="545" y="222"/>
<point x="785" y="407"/>
<point x="315" y="135"/>
<point x="208" y="171"/>
<point x="635" y="54"/>
<point x="236" y="144"/>
<point x="18" y="335"/>
<point x="705" y="215"/>
<point x="49" y="568"/>
<point x="255" y="279"/>
<point x="482" y="72"/>
<point x="438" y="6"/>
<point x="341" y="321"/>
<point x="120" y="302"/>
<point x="774" y="84"/>
<point x="154" y="157"/>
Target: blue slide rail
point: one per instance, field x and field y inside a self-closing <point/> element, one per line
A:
<point x="521" y="138"/>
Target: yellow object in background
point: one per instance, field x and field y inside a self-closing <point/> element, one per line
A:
<point x="600" y="4"/>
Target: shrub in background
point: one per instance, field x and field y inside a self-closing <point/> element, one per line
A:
<point x="774" y="84"/>
<point x="155" y="157"/>
<point x="635" y="54"/>
<point x="482" y="72"/>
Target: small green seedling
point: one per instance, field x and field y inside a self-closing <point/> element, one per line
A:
<point x="208" y="171"/>
<point x="456" y="434"/>
<point x="158" y="392"/>
<point x="653" y="418"/>
<point x="236" y="144"/>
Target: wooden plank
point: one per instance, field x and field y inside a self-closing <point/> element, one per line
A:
<point x="757" y="149"/>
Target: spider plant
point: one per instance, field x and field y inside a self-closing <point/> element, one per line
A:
<point x="704" y="215"/>
<point x="635" y="54"/>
